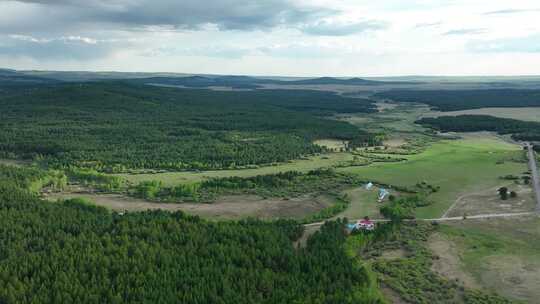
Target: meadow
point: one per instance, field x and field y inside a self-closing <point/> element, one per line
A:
<point x="457" y="166"/>
<point x="502" y="255"/>
<point x="188" y="177"/>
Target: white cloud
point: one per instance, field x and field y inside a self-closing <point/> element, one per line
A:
<point x="289" y="37"/>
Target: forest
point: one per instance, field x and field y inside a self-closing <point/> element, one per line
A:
<point x="520" y="130"/>
<point x="116" y="126"/>
<point x="455" y="100"/>
<point x="73" y="252"/>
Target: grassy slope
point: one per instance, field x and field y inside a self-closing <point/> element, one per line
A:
<point x="456" y="166"/>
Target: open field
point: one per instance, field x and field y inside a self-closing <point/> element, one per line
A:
<point x="304" y="165"/>
<point x="501" y="255"/>
<point x="362" y="203"/>
<point x="393" y="117"/>
<point x="457" y="166"/>
<point x="489" y="201"/>
<point x="527" y="114"/>
<point x="225" y="208"/>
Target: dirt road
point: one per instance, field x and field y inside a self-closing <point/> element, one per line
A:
<point x="534" y="172"/>
<point x="455" y="218"/>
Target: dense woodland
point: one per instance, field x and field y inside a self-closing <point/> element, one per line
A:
<point x="520" y="130"/>
<point x="72" y="252"/>
<point x="453" y="100"/>
<point x="114" y="127"/>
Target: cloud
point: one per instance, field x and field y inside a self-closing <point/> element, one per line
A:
<point x="184" y="14"/>
<point x="465" y="31"/>
<point x="428" y="24"/>
<point x="511" y="11"/>
<point x="213" y="51"/>
<point x="329" y="28"/>
<point x="64" y="48"/>
<point x="529" y="44"/>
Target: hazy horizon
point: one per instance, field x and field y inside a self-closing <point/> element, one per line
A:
<point x="283" y="38"/>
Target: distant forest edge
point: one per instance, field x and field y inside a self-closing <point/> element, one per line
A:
<point x="520" y="130"/>
<point x="13" y="77"/>
<point x="114" y="126"/>
<point x="455" y="100"/>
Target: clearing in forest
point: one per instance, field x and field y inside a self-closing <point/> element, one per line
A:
<point x="224" y="208"/>
<point x="302" y="165"/>
<point x="457" y="166"/>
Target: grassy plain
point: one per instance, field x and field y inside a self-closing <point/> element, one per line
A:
<point x="501" y="255"/>
<point x="527" y="114"/>
<point x="362" y="203"/>
<point x="303" y="165"/>
<point x="457" y="166"/>
<point x="225" y="208"/>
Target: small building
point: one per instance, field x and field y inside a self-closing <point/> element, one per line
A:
<point x="383" y="193"/>
<point x="365" y="224"/>
<point x="369" y="186"/>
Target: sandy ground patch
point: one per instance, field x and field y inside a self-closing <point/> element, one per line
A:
<point x="229" y="207"/>
<point x="391" y="296"/>
<point x="448" y="263"/>
<point x="394" y="143"/>
<point x="393" y="254"/>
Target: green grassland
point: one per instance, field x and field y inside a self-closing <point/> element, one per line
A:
<point x="457" y="166"/>
<point x="502" y="254"/>
<point x="302" y="165"/>
<point x="362" y="203"/>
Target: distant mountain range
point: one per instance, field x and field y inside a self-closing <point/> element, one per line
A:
<point x="246" y="82"/>
<point x="14" y="78"/>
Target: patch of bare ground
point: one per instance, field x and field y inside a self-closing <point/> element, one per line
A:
<point x="309" y="231"/>
<point x="447" y="262"/>
<point x="394" y="143"/>
<point x="391" y="296"/>
<point x="393" y="254"/>
<point x="228" y="207"/>
<point x="489" y="201"/>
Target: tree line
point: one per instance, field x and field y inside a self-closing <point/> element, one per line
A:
<point x="455" y="100"/>
<point x="520" y="130"/>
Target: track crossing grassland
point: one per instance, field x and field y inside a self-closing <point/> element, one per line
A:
<point x="457" y="166"/>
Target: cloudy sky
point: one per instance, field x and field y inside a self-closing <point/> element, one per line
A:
<point x="274" y="37"/>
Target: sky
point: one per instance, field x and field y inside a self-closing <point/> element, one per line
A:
<point x="274" y="37"/>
